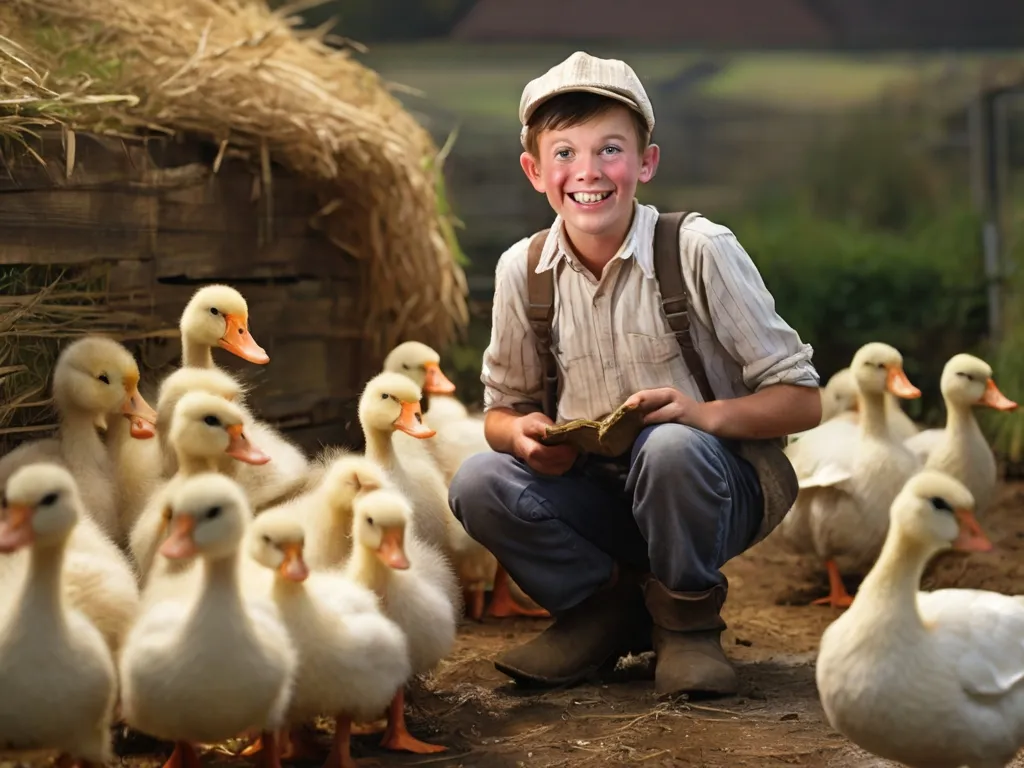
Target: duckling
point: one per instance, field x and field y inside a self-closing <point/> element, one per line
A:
<point x="418" y="589"/>
<point x="207" y="434"/>
<point x="391" y="402"/>
<point x="325" y="513"/>
<point x="929" y="679"/>
<point x="961" y="450"/>
<point x="208" y="664"/>
<point x="848" y="475"/>
<point x="217" y="315"/>
<point x="93" y="375"/>
<point x="58" y="683"/>
<point x="458" y="437"/>
<point x="352" y="658"/>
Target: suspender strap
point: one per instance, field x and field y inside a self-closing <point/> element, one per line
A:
<point x="540" y="309"/>
<point x="675" y="299"/>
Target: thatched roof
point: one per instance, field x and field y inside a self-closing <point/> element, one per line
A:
<point x="237" y="74"/>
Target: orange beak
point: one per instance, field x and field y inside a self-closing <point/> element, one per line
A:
<point x="240" y="448"/>
<point x="238" y="341"/>
<point x="993" y="398"/>
<point x="898" y="383"/>
<point x="971" y="538"/>
<point x="391" y="551"/>
<point x="294" y="567"/>
<point x="410" y="421"/>
<point x="436" y="382"/>
<point x="16" y="528"/>
<point x="180" y="543"/>
<point x="141" y="414"/>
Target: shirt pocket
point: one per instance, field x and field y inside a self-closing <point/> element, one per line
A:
<point x="654" y="361"/>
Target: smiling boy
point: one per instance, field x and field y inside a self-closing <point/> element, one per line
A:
<point x="627" y="554"/>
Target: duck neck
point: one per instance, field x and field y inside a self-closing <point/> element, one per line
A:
<point x="872" y="417"/>
<point x="42" y="604"/>
<point x="890" y="589"/>
<point x="190" y="464"/>
<point x="78" y="434"/>
<point x="367" y="570"/>
<point x="379" y="447"/>
<point x="286" y="590"/>
<point x="195" y="354"/>
<point x="221" y="588"/>
<point x="960" y="420"/>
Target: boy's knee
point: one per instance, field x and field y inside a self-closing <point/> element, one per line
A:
<point x="474" y="487"/>
<point x="679" y="452"/>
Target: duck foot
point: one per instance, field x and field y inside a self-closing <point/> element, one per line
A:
<point x="340" y="755"/>
<point x="368" y="729"/>
<point x="504" y="605"/>
<point x="838" y="597"/>
<point x="397" y="738"/>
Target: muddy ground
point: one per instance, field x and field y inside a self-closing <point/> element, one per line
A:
<point x="776" y="719"/>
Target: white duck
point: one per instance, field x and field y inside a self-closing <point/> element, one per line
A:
<point x="390" y="403"/>
<point x="204" y="429"/>
<point x="961" y="449"/>
<point x="849" y="474"/>
<point x="208" y="664"/>
<point x="218" y="316"/>
<point x="417" y="587"/>
<point x="93" y="376"/>
<point x="839" y="401"/>
<point x="929" y="679"/>
<point x="325" y="513"/>
<point x="458" y="437"/>
<point x="352" y="658"/>
<point x="58" y="683"/>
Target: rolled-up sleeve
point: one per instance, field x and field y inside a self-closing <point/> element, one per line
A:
<point x="511" y="367"/>
<point x="744" y="319"/>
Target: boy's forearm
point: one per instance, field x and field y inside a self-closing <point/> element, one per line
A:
<point x="782" y="409"/>
<point x="498" y="428"/>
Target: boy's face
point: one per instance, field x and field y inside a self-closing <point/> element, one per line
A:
<point x="589" y="172"/>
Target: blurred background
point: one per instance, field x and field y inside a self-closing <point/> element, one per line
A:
<point x="867" y="153"/>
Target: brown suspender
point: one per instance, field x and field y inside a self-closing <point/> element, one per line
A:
<point x="675" y="300"/>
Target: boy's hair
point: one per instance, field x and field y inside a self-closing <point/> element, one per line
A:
<point x="575" y="108"/>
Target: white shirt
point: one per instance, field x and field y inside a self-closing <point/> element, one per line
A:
<point x="610" y="335"/>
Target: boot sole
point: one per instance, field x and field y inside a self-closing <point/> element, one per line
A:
<point x="528" y="680"/>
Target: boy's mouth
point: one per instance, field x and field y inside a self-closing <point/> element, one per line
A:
<point x="589" y="198"/>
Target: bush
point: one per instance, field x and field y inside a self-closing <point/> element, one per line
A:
<point x="842" y="285"/>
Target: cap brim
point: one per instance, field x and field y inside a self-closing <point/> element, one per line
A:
<point x="587" y="89"/>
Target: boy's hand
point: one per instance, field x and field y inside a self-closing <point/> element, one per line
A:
<point x="546" y="459"/>
<point x="667" y="405"/>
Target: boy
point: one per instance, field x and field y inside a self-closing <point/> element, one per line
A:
<point x="628" y="560"/>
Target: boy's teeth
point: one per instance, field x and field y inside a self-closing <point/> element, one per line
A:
<point x="589" y="197"/>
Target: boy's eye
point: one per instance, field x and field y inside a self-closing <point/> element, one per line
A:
<point x="611" y="150"/>
<point x="563" y="153"/>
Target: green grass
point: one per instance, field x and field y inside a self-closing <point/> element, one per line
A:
<point x="475" y="81"/>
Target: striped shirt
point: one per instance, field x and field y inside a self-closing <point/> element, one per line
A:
<point x="610" y="335"/>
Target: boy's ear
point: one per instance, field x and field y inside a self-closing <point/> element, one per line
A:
<point x="532" y="170"/>
<point x="649" y="163"/>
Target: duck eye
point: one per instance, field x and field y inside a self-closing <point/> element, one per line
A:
<point x="405" y="366"/>
<point x="48" y="499"/>
<point x="266" y="539"/>
<point x="369" y="520"/>
<point x="214" y="311"/>
<point x="212" y="512"/>
<point x="104" y="378"/>
<point x="940" y="503"/>
<point x="212" y="421"/>
<point x="385" y="396"/>
<point x="964" y="375"/>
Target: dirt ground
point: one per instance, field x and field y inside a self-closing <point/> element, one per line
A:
<point x="776" y="719"/>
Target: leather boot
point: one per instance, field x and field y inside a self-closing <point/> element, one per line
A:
<point x="687" y="641"/>
<point x="610" y="623"/>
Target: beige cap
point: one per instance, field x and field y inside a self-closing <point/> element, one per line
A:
<point x="583" y="72"/>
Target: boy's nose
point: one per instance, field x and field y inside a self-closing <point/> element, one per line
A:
<point x="588" y="170"/>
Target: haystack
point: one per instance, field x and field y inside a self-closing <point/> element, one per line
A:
<point x="243" y="78"/>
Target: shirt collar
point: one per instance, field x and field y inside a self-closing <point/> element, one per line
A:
<point x="638" y="243"/>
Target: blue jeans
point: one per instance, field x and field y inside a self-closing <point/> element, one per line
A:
<point x="688" y="505"/>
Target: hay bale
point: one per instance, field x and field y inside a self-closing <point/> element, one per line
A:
<point x="238" y="74"/>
